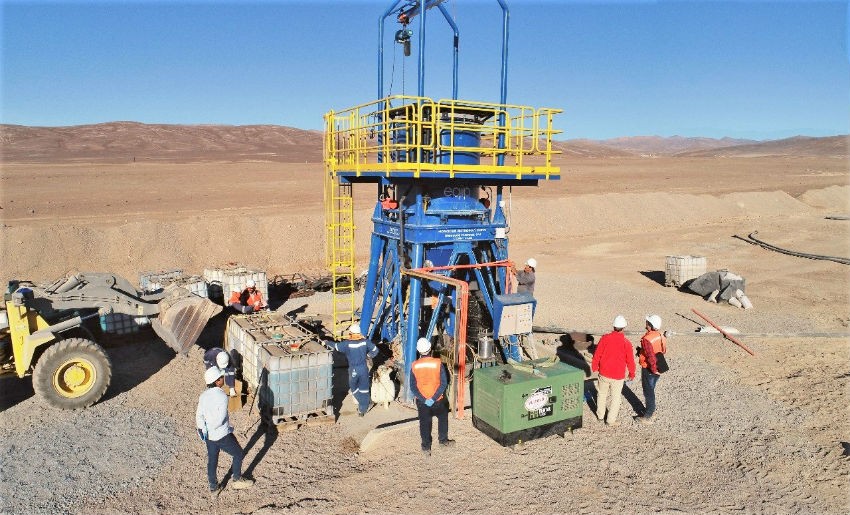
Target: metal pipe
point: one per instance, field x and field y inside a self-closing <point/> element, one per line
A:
<point x="503" y="94"/>
<point x="453" y="25"/>
<point x="724" y="333"/>
<point x="421" y="90"/>
<point x="392" y="7"/>
<point x="562" y="330"/>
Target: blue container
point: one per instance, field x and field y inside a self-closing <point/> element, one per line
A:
<point x="461" y="139"/>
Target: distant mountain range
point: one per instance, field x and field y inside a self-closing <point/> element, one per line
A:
<point x="125" y="141"/>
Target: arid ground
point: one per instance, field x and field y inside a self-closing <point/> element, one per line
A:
<point x="735" y="433"/>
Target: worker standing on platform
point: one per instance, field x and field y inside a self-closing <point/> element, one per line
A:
<point x="428" y="381"/>
<point x="651" y="344"/>
<point x="248" y="300"/>
<point x="525" y="277"/>
<point x="613" y="356"/>
<point x="356" y="350"/>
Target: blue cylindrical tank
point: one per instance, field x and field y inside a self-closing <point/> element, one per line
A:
<point x="461" y="139"/>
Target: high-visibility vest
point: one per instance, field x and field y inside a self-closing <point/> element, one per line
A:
<point x="427" y="372"/>
<point x="656" y="341"/>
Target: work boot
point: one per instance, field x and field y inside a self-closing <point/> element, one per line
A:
<point x="426" y="452"/>
<point x="242" y="484"/>
<point x="644" y="420"/>
<point x="361" y="414"/>
<point x="612" y="423"/>
<point x="447" y="443"/>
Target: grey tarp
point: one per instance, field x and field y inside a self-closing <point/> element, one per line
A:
<point x="722" y="280"/>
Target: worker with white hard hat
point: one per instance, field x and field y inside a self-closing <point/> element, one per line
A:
<point x="213" y="424"/>
<point x="613" y="357"/>
<point x="248" y="300"/>
<point x="526" y="277"/>
<point x="357" y="349"/>
<point x="218" y="357"/>
<point x="428" y="382"/>
<point x="652" y="344"/>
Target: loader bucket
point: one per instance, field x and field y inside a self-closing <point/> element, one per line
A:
<point x="182" y="317"/>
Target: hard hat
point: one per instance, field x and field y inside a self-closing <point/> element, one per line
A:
<point x="355" y="328"/>
<point x="531" y="262"/>
<point x="423" y="345"/>
<point x="222" y="359"/>
<point x="251" y="283"/>
<point x="212" y="374"/>
<point x="619" y="322"/>
<point x="654" y="321"/>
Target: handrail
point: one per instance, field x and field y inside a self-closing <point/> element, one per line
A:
<point x="418" y="135"/>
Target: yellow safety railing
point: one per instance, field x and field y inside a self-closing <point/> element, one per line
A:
<point x="420" y="136"/>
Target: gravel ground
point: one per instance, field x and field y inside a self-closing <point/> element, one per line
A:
<point x="734" y="433"/>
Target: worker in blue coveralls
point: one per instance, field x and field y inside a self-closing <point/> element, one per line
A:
<point x="217" y="357"/>
<point x="356" y="349"/>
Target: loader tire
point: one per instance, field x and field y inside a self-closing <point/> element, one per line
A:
<point x="72" y="374"/>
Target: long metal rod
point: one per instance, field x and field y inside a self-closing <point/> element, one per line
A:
<point x="453" y="25"/>
<point x="563" y="330"/>
<point x="724" y="333"/>
<point x="392" y="7"/>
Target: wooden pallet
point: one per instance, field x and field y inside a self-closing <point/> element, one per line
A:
<point x="317" y="417"/>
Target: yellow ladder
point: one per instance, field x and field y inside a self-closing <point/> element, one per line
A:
<point x="339" y="221"/>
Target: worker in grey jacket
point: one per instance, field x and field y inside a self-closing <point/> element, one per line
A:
<point x="213" y="423"/>
<point x="525" y="277"/>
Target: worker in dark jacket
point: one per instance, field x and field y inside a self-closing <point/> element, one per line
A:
<point x="612" y="357"/>
<point x="218" y="357"/>
<point x="428" y="383"/>
<point x="356" y="350"/>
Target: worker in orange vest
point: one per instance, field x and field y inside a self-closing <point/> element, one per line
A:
<point x="428" y="381"/>
<point x="651" y="344"/>
<point x="248" y="300"/>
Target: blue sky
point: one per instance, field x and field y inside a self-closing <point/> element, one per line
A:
<point x="758" y="69"/>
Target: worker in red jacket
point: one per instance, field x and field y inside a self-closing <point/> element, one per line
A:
<point x="613" y="356"/>
<point x="428" y="382"/>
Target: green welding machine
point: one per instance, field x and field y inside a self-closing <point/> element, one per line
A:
<point x="517" y="402"/>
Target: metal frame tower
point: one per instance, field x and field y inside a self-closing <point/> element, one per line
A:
<point x="439" y="244"/>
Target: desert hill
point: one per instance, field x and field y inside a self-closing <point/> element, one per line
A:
<point x="121" y="142"/>
<point x="658" y="145"/>
<point x="126" y="141"/>
<point x="799" y="146"/>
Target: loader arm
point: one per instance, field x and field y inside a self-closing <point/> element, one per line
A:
<point x="179" y="315"/>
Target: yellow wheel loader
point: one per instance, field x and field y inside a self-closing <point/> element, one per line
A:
<point x="42" y="331"/>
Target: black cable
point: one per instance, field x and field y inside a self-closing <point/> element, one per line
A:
<point x="754" y="241"/>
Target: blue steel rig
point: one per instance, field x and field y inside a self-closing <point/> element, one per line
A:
<point x="439" y="261"/>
